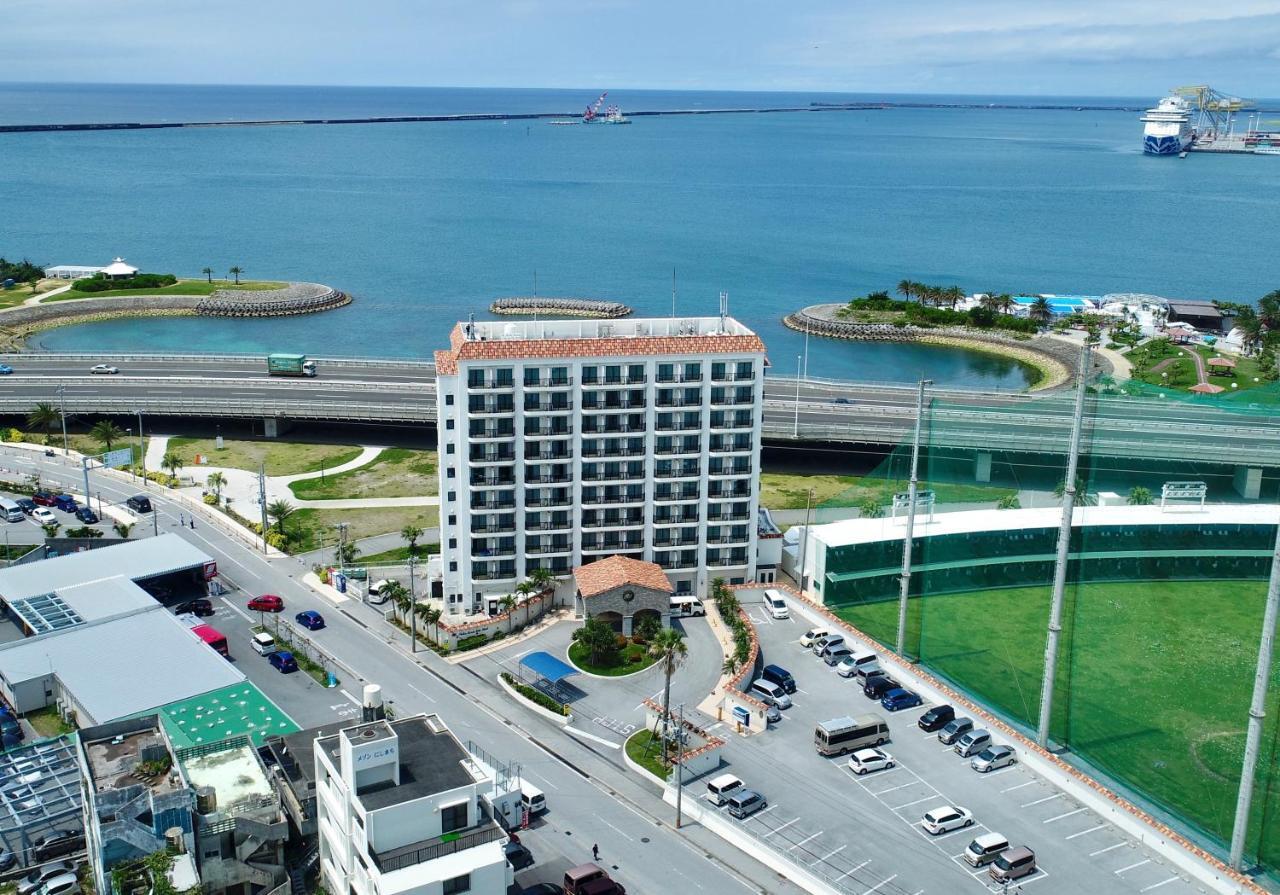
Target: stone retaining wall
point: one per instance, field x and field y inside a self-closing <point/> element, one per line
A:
<point x="571" y="307"/>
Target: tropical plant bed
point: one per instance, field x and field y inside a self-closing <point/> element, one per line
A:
<point x="631" y="658"/>
<point x="645" y="749"/>
<point x="537" y="697"/>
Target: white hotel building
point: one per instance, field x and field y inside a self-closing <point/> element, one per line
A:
<point x="566" y="441"/>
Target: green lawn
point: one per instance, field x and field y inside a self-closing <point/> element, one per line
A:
<point x="788" y="491"/>
<point x="399" y="554"/>
<point x="182" y="287"/>
<point x="396" y="472"/>
<point x="1160" y="363"/>
<point x="628" y="660"/>
<point x="645" y="749"/>
<point x="281" y="457"/>
<point x="1154" y="679"/>
<point x="309" y="528"/>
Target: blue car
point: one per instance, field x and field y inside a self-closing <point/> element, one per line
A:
<point x="283" y="661"/>
<point x="5" y="369"/>
<point x="311" y="620"/>
<point x="66" y="503"/>
<point x="898" y="698"/>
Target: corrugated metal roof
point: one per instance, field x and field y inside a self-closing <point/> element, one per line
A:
<point x="134" y="560"/>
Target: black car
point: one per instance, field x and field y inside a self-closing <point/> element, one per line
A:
<point x="195" y="607"/>
<point x="28" y="505"/>
<point x="877" y="685"/>
<point x="139" y="503"/>
<point x="517" y="855"/>
<point x="56" y="843"/>
<point x="8" y="860"/>
<point x="936" y="718"/>
<point x="87" y="516"/>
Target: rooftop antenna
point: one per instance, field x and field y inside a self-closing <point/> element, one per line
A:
<point x="673" y="293"/>
<point x="471" y="326"/>
<point x="724" y="309"/>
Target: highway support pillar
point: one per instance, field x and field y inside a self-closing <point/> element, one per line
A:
<point x="1248" y="482"/>
<point x="275" y="426"/>
<point x="982" y="467"/>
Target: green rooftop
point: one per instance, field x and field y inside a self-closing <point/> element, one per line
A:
<point x="226" y="712"/>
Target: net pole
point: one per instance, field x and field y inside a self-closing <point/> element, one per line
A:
<point x="904" y="580"/>
<point x="1060" y="562"/>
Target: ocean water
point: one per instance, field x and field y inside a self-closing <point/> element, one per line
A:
<point x="426" y="223"/>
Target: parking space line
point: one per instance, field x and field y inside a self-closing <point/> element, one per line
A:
<point x="1085" y="832"/>
<point x="831" y="854"/>
<point x="941" y="836"/>
<point x="1019" y="786"/>
<point x="936" y="795"/>
<point x="1061" y="816"/>
<point x="882" y="882"/>
<point x="1056" y="795"/>
<point x="1131" y="866"/>
<point x="852" y="870"/>
<point x="803" y="841"/>
<point x="781" y="828"/>
<point x="1103" y="851"/>
<point x="885" y="792"/>
<point x="1162" y="883"/>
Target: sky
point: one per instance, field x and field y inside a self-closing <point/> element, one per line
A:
<point x="1045" y="47"/>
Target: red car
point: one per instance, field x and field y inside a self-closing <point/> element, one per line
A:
<point x="267" y="603"/>
<point x="44" y="499"/>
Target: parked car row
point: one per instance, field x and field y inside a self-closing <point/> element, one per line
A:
<point x="265" y="644"/>
<point x="57" y="878"/>
<point x="40" y="505"/>
<point x="729" y="791"/>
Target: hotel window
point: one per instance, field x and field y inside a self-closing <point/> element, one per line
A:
<point x="457" y="885"/>
<point x="453" y="817"/>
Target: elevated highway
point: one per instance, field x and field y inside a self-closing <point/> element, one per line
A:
<point x="398" y="391"/>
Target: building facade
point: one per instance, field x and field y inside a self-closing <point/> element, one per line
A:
<point x="564" y="442"/>
<point x="401" y="807"/>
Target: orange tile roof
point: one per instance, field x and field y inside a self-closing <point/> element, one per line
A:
<point x="446" y="363"/>
<point x="615" y="571"/>
<point x="521" y="349"/>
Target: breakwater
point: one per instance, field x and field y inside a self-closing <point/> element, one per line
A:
<point x="525" y="305"/>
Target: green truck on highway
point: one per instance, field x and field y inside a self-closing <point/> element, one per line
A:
<point x="290" y="365"/>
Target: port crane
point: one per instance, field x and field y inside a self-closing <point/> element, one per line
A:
<point x="594" y="109"/>
<point x="1217" y="111"/>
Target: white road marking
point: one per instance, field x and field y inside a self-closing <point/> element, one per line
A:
<point x="615" y="829"/>
<point x="426" y="696"/>
<point x="831" y="854"/>
<point x="573" y="731"/>
<point x="1085" y="832"/>
<point x="1056" y="795"/>
<point x="781" y="828"/>
<point x="852" y="870"/>
<point x="349" y="696"/>
<point x="1061" y="816"/>
<point x="881" y="883"/>
<point x="1172" y="879"/>
<point x="1131" y="866"/>
<point x="884" y="792"/>
<point x="803" y="841"/>
<point x="1019" y="786"/>
<point x="236" y="609"/>
<point x="1103" y="851"/>
<point x="545" y="781"/>
<point x="918" y="801"/>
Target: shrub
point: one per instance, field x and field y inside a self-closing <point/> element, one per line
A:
<point x="870" y="509"/>
<point x="99" y="283"/>
<point x="535" y="695"/>
<point x="13" y="435"/>
<point x="1009" y="502"/>
<point x="619" y="642"/>
<point x="277" y="540"/>
<point x="210" y="500"/>
<point x="83" y="531"/>
<point x="475" y="640"/>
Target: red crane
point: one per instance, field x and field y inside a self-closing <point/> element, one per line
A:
<point x="594" y="110"/>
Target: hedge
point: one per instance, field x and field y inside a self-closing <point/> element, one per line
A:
<point x="535" y="695"/>
<point x="99" y="283"/>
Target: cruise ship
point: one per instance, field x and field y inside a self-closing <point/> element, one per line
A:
<point x="1168" y="130"/>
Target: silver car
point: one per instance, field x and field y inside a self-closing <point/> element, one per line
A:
<point x="993" y="758"/>
<point x="104" y="368"/>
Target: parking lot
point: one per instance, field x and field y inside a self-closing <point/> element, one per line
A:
<point x="44" y="776"/>
<point x="863" y="834"/>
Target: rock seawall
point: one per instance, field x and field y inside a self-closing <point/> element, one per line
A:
<point x="564" y="307"/>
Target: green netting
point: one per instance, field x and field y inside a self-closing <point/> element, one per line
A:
<point x="1162" y="617"/>
<point x="226" y="712"/>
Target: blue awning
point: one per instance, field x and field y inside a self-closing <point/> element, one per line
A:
<point x="547" y="666"/>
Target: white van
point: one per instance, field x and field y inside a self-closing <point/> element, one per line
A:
<point x="375" y="592"/>
<point x="812" y="635"/>
<point x="534" y="801"/>
<point x="777" y="605"/>
<point x="10" y="511"/>
<point x="721" y="788"/>
<point x="686" y="606"/>
<point x="264" y="644"/>
<point x="864" y="661"/>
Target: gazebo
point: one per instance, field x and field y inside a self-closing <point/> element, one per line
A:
<point x="1206" y="388"/>
<point x="1221" y="363"/>
<point x="118" y="270"/>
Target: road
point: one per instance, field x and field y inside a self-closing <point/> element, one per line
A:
<point x="593" y="798"/>
<point x="879" y="413"/>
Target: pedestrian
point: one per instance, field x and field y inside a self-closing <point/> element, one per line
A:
<point x="192" y="520"/>
<point x="595" y="852"/>
<point x="182" y="520"/>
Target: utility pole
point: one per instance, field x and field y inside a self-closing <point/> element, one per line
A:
<point x="1257" y="712"/>
<point x="679" y="764"/>
<point x="62" y="408"/>
<point x="904" y="580"/>
<point x="262" y="502"/>
<point x="795" y="429"/>
<point x="413" y="608"/>
<point x="804" y="539"/>
<point x="84" y="464"/>
<point x="806" y="355"/>
<point x="342" y="547"/>
<point x="1060" y="563"/>
<point x="142" y="450"/>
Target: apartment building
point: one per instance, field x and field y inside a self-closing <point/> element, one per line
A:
<point x="567" y="441"/>
<point x="403" y="809"/>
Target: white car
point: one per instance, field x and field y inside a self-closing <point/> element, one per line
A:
<point x="777" y="605"/>
<point x="946" y="818"/>
<point x="103" y="368"/>
<point x="848" y="666"/>
<point x="864" y="761"/>
<point x="810" y="636"/>
<point x="44" y="516"/>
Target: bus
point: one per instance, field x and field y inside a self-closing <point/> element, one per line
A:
<point x="841" y="735"/>
<point x="215" y="638"/>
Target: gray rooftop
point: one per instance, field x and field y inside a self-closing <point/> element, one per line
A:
<point x="431" y="761"/>
<point x="133" y="560"/>
<point x="98" y="663"/>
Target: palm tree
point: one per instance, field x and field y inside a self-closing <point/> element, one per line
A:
<point x="544" y="580"/>
<point x="106" y="433"/>
<point x="235" y="272"/>
<point x="280" y="510"/>
<point x="526" y="590"/>
<point x="431" y="616"/>
<point x="954" y="295"/>
<point x="906" y="288"/>
<point x="730" y="665"/>
<point x="411" y="533"/>
<point x="217" y="481"/>
<point x="46" y="417"/>
<point x="398" y="594"/>
<point x="669" y="648"/>
<point x="1040" y="310"/>
<point x="123" y="529"/>
<point x="171" y="461"/>
<point x="508" y="604"/>
<point x="208" y="272"/>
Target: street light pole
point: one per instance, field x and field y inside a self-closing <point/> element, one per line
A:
<point x="142" y="451"/>
<point x="413" y="608"/>
<point x="262" y="502"/>
<point x="904" y="580"/>
<point x="679" y="764"/>
<point x="62" y="408"/>
<point x="1060" y="563"/>
<point x="795" y="429"/>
